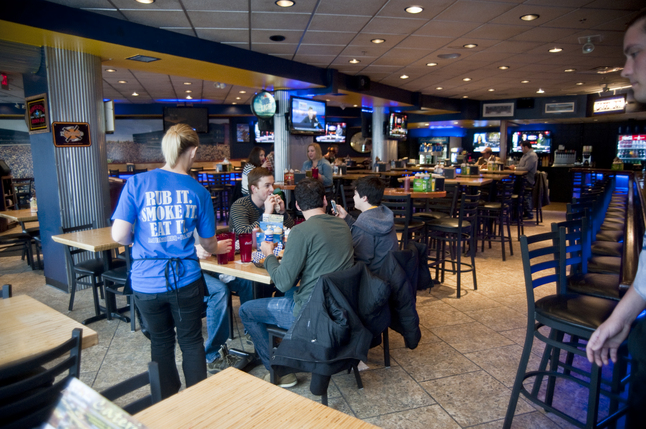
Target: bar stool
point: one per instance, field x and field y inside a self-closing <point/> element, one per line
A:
<point x="402" y="209"/>
<point x="494" y="216"/>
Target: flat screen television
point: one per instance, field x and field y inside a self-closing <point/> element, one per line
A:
<point x="483" y="140"/>
<point x="541" y="140"/>
<point x="334" y="133"/>
<point x="306" y="116"/>
<point x="195" y="117"/>
<point x="397" y="126"/>
<point x="263" y="136"/>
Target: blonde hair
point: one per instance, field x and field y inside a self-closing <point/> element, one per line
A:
<point x="317" y="149"/>
<point x="177" y="140"/>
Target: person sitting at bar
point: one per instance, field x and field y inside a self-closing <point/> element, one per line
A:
<point x="245" y="216"/>
<point x="320" y="245"/>
<point x="373" y="232"/>
<point x="256" y="159"/>
<point x="315" y="160"/>
<point x="487" y="155"/>
<point x="331" y="154"/>
<point x="529" y="163"/>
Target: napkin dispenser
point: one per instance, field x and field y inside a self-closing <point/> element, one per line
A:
<point x="439" y="183"/>
<point x="449" y="172"/>
<point x="380" y="167"/>
<point x="298" y="177"/>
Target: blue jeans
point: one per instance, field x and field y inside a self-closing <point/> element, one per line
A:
<point x="217" y="322"/>
<point x="259" y="313"/>
<point x="162" y="313"/>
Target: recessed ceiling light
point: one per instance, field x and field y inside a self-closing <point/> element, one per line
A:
<point x="404" y="76"/>
<point x="188" y="83"/>
<point x="579" y="83"/>
<point x="431" y="64"/>
<point x="284" y="3"/>
<point x="524" y="81"/>
<point x="234" y="103"/>
<point x="530" y="17"/>
<point x="123" y="81"/>
<point x="237" y="98"/>
<point x="555" y="50"/>
<point x="414" y="9"/>
<point x="491" y="90"/>
<point x="354" y="61"/>
<point x="378" y="41"/>
<point x="540" y="91"/>
<point x="243" y="92"/>
<point x="439" y="88"/>
<point x="110" y="70"/>
<point x="470" y="46"/>
<point x="465" y="96"/>
<point x="426" y="125"/>
<point x="188" y="91"/>
<point x="276" y="38"/>
<point x="455" y="122"/>
<point x="356" y="105"/>
<point x="503" y="67"/>
<point x="466" y="79"/>
<point x="569" y="70"/>
<point x="188" y="97"/>
<point x="145" y="1"/>
<point x="134" y="94"/>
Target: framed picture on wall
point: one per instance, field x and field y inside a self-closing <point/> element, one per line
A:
<point x="37" y="114"/>
<point x="242" y="133"/>
<point x="559" y="107"/>
<point x="497" y="110"/>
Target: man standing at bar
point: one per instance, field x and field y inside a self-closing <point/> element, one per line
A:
<point x="609" y="336"/>
<point x="528" y="163"/>
<point x="320" y="245"/>
<point x="487" y="155"/>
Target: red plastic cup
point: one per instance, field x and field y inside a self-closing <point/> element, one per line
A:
<point x="245" y="247"/>
<point x="223" y="259"/>
<point x="315" y="173"/>
<point x="232" y="252"/>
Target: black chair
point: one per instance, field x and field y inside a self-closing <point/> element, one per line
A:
<point x="22" y="190"/>
<point x="494" y="216"/>
<point x="29" y="392"/>
<point x="24" y="240"/>
<point x="346" y="195"/>
<point x="116" y="283"/>
<point x="544" y="260"/>
<point x="456" y="232"/>
<point x="402" y="208"/>
<point x="150" y="377"/>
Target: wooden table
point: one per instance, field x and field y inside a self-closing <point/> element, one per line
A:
<point x="468" y="181"/>
<point x="395" y="192"/>
<point x="237" y="269"/>
<point x="235" y="399"/>
<point x="29" y="327"/>
<point x="354" y="175"/>
<point x="20" y="216"/>
<point x="95" y="240"/>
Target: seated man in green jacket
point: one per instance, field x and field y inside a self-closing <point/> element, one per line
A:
<point x="320" y="245"/>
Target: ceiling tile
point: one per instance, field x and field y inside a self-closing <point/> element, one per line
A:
<point x="396" y="8"/>
<point x="354" y="7"/>
<point x="215" y="5"/>
<point x="157" y="18"/>
<point x="262" y="36"/>
<point x="400" y="57"/>
<point x="274" y="48"/>
<point x="219" y="19"/>
<point x="423" y="42"/>
<point x="364" y="39"/>
<point x="320" y="49"/>
<point x="544" y="34"/>
<point x="184" y="31"/>
<point x="327" y="37"/>
<point x="223" y="36"/>
<point x="513" y="47"/>
<point x="446" y="28"/>
<point x="159" y="4"/>
<point x="496" y="31"/>
<point x="323" y="22"/>
<point x="279" y="21"/>
<point x="587" y="18"/>
<point x="474" y="11"/>
<point x="616" y="4"/>
<point x="394" y="25"/>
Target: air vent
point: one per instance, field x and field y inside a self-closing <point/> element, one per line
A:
<point x="143" y="58"/>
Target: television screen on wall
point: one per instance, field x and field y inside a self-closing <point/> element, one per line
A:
<point x="195" y="117"/>
<point x="334" y="133"/>
<point x="541" y="140"/>
<point x="397" y="126"/>
<point x="483" y="140"/>
<point x="307" y="116"/>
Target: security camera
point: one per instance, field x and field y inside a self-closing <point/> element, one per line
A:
<point x="587" y="48"/>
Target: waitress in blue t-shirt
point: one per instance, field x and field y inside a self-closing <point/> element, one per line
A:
<point x="165" y="206"/>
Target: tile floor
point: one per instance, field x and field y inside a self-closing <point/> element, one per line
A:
<point x="459" y="376"/>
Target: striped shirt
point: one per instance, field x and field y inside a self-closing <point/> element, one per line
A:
<point x="244" y="216"/>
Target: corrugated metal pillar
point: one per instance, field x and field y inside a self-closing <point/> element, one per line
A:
<point x="281" y="136"/>
<point x="76" y="95"/>
<point x="71" y="183"/>
<point x="379" y="148"/>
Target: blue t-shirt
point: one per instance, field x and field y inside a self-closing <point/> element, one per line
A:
<point x="165" y="208"/>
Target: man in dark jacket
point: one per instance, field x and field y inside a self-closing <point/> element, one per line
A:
<point x="373" y="232"/>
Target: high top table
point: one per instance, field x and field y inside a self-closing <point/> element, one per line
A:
<point x="29" y="327"/>
<point x="95" y="240"/>
<point x="20" y="216"/>
<point x="235" y="399"/>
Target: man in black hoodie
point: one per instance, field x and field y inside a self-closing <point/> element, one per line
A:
<point x="373" y="232"/>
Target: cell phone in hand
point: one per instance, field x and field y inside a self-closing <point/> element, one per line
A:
<point x="334" y="207"/>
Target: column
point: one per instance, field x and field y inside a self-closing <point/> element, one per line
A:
<point x="281" y="136"/>
<point x="379" y="147"/>
<point x="71" y="183"/>
<point x="503" y="139"/>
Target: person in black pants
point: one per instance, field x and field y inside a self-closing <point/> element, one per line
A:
<point x="611" y="334"/>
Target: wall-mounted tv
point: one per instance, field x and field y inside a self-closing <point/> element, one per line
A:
<point x="483" y="140"/>
<point x="397" y="126"/>
<point x="263" y="136"/>
<point x="195" y="117"/>
<point x="334" y="133"/>
<point x="307" y="116"/>
<point x="541" y="140"/>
